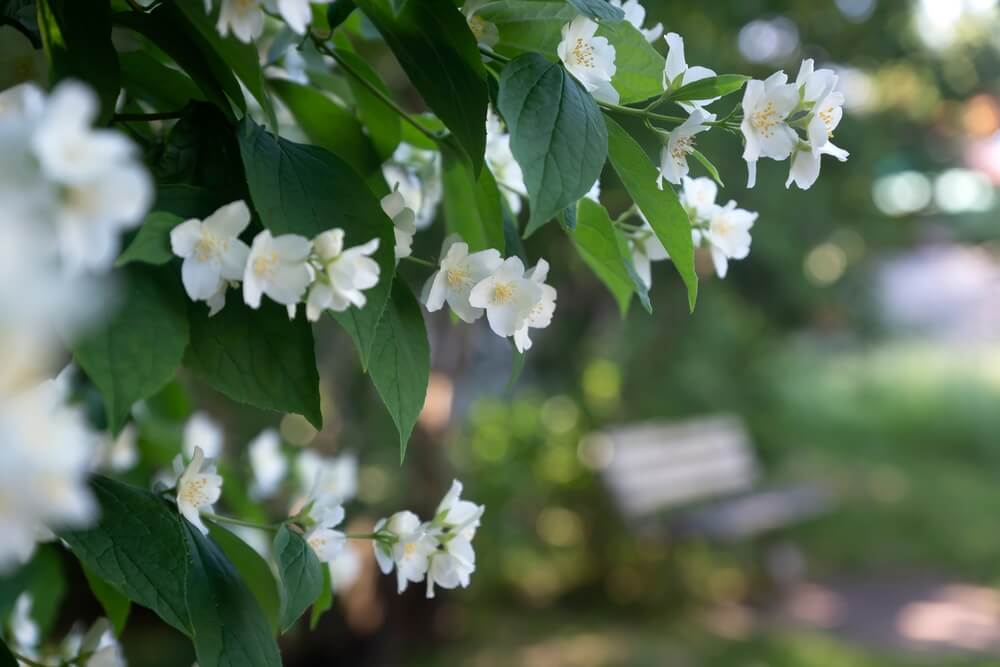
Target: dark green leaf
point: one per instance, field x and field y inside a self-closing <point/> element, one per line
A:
<point x="471" y="207"/>
<point x="598" y="9"/>
<point x="329" y="125"/>
<point x="324" y="602"/>
<point x="401" y="361"/>
<point x="230" y="629"/>
<point x="72" y="27"/>
<point x="527" y="25"/>
<point x="516" y="366"/>
<point x="307" y="190"/>
<point x="512" y="235"/>
<point x="257" y="357"/>
<point x="662" y="208"/>
<point x="136" y="352"/>
<point x="253" y="569"/>
<point x="557" y="134"/>
<point x="435" y="47"/>
<point x="201" y="149"/>
<point x="243" y="59"/>
<point x="150" y="80"/>
<point x="151" y="244"/>
<point x="381" y="120"/>
<point x="300" y="572"/>
<point x="338" y="11"/>
<point x="187" y="201"/>
<point x="138" y="547"/>
<point x="596" y="240"/>
<point x="6" y="658"/>
<point x="712" y="87"/>
<point x="116" y="606"/>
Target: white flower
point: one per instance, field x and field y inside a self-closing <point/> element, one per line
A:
<point x="46" y="455"/>
<point x="503" y="166"/>
<point x="20" y="61"/>
<point x="345" y="274"/>
<point x="594" y="194"/>
<point x="102" y="647"/>
<point x="121" y="453"/>
<point x="197" y="491"/>
<point x="334" y="479"/>
<point x="345" y="568"/>
<point x="325" y="542"/>
<point x="647" y="248"/>
<point x="541" y="313"/>
<point x="680" y="144"/>
<point x="728" y="235"/>
<point x="452" y="566"/>
<point x="243" y="18"/>
<point x="766" y="107"/>
<point x="459" y="272"/>
<point x="416" y="174"/>
<point x="408" y="549"/>
<point x="277" y="266"/>
<point x="676" y="72"/>
<point x="217" y="301"/>
<point x="404" y="222"/>
<point x="456" y="515"/>
<point x="590" y="59"/>
<point x="698" y="197"/>
<point x="297" y="13"/>
<point x="486" y="33"/>
<point x="636" y="15"/>
<point x="23" y="629"/>
<point x="454" y="526"/>
<point x="805" y="164"/>
<point x="212" y="251"/>
<point x="268" y="464"/>
<point x="816" y="89"/>
<point x="202" y="431"/>
<point x="508" y="297"/>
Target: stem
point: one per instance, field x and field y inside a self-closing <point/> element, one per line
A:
<point x="375" y="90"/>
<point x="361" y="536"/>
<point x="490" y="53"/>
<point x="628" y="213"/>
<point x="239" y="522"/>
<point x="27" y="661"/>
<point x="422" y="262"/>
<point x="158" y="115"/>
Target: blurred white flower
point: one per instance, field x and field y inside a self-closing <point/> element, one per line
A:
<point x="403" y="222"/>
<point x="540" y="315"/>
<point x="594" y="194"/>
<point x="416" y="174"/>
<point x="202" y="431"/>
<point x="698" y="196"/>
<point x="766" y="107"/>
<point x="345" y="568"/>
<point x="635" y="14"/>
<point x="325" y="542"/>
<point x="590" y="59"/>
<point x="344" y="276"/>
<point x="121" y="453"/>
<point x="502" y="164"/>
<point x="212" y="251"/>
<point x="23" y="629"/>
<point x="333" y="479"/>
<point x="508" y="297"/>
<point x="46" y="453"/>
<point x="728" y="235"/>
<point x="680" y="144"/>
<point x="101" y="646"/>
<point x="197" y="490"/>
<point x="454" y="526"/>
<point x="458" y="273"/>
<point x="268" y="464"/>
<point x="486" y="33"/>
<point x="646" y="249"/>
<point x="297" y="13"/>
<point x="407" y="550"/>
<point x="243" y="18"/>
<point x="676" y="72"/>
<point x="277" y="266"/>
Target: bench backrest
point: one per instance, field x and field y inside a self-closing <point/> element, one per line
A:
<point x="658" y="465"/>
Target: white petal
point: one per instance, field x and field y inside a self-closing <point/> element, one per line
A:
<point x="201" y="279"/>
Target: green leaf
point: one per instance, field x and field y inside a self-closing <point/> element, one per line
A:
<point x="661" y="208"/>
<point x="138" y="547"/>
<point x="401" y="361"/>
<point x="516" y="366"/>
<point x="230" y="629"/>
<point x="597" y="241"/>
<point x="512" y="235"/>
<point x="329" y="125"/>
<point x="381" y="120"/>
<point x="135" y="353"/>
<point x="187" y="201"/>
<point x="471" y="206"/>
<point x="324" y="602"/>
<point x="70" y="28"/>
<point x="712" y="87"/>
<point x="201" y="149"/>
<point x="712" y="170"/>
<point x="151" y="244"/>
<point x="307" y="190"/>
<point x="338" y="11"/>
<point x="638" y="66"/>
<point x="257" y="357"/>
<point x="598" y="9"/>
<point x="557" y="134"/>
<point x="116" y="606"/>
<point x="300" y="572"/>
<point x="438" y="52"/>
<point x="527" y="26"/>
<point x="6" y="657"/>
<point x="243" y="59"/>
<point x="146" y="78"/>
<point x="253" y="569"/>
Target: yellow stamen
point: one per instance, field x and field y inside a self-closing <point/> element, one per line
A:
<point x="583" y="53"/>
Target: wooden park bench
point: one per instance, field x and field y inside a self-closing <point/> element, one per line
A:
<point x="700" y="479"/>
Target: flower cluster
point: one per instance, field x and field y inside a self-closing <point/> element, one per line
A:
<point x="513" y="299"/>
<point x="98" y="647"/>
<point x="245" y="18"/>
<point x="723" y="230"/>
<point x="440" y="549"/>
<point x="285" y="267"/>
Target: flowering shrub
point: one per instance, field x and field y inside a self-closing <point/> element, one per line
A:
<point x="159" y="216"/>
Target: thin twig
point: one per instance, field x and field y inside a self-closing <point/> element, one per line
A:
<point x="238" y="522"/>
<point x="422" y="262"/>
